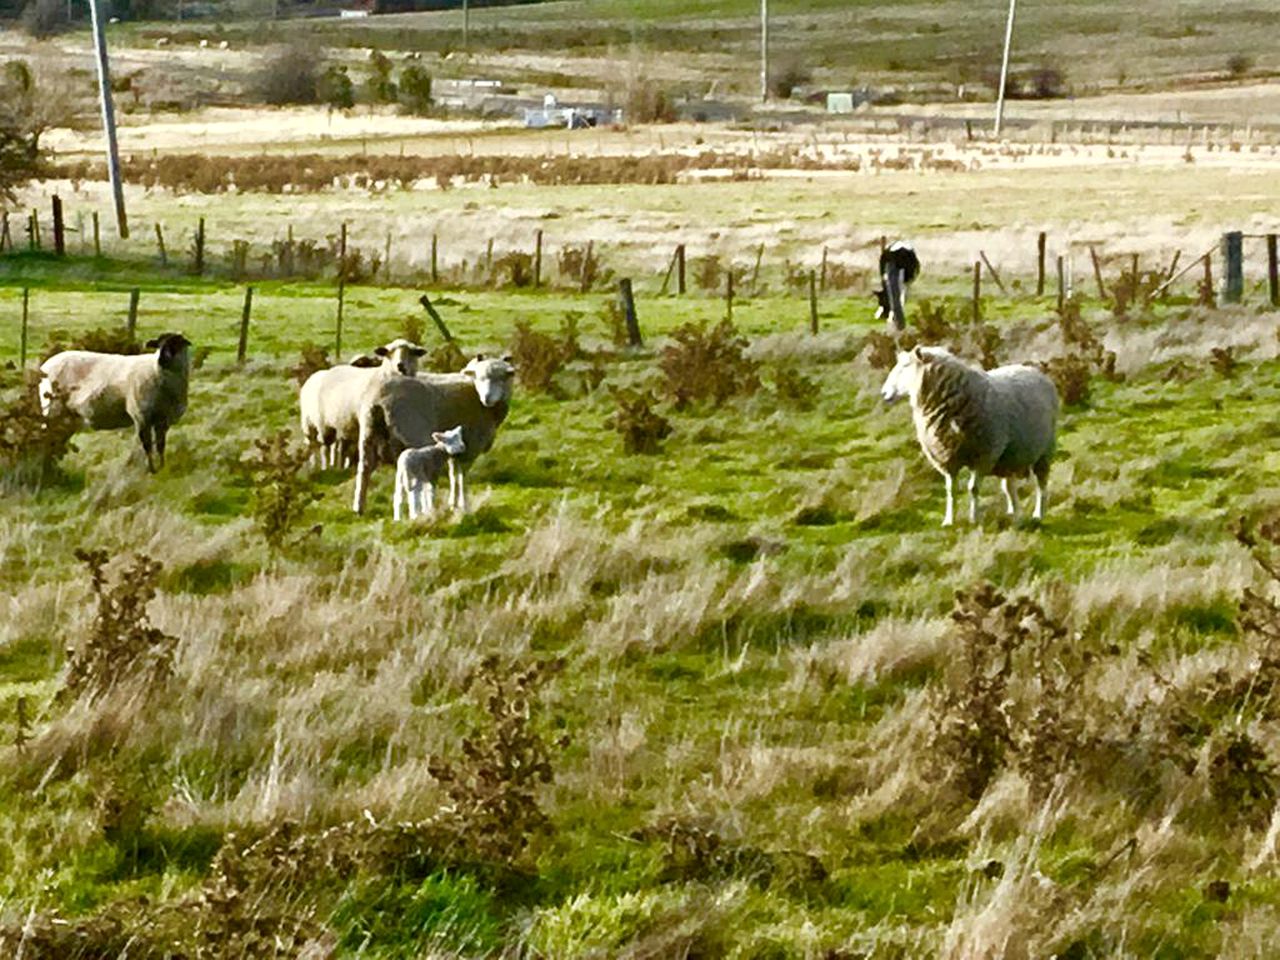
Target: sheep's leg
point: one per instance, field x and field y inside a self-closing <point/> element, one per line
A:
<point x="1041" y="472"/>
<point x="975" y="479"/>
<point x="1010" y="495"/>
<point x="462" y="491"/>
<point x="429" y="497"/>
<point x="950" y="517"/>
<point x="397" y="498"/>
<point x="363" y="469"/>
<point x="162" y="433"/>
<point x="144" y="435"/>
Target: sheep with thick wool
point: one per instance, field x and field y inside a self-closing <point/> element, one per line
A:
<point x="112" y="391"/>
<point x="398" y="412"/>
<point x="329" y="401"/>
<point x="1001" y="422"/>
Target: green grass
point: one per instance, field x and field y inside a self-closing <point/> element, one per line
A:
<point x="766" y="696"/>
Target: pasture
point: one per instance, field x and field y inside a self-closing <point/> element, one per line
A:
<point x="738" y="696"/>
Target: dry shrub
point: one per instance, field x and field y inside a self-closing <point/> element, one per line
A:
<point x="99" y="340"/>
<point x="516" y="266"/>
<point x="708" y="271"/>
<point x="1073" y="371"/>
<point x="291" y="74"/>
<point x="646" y="102"/>
<point x="934" y="323"/>
<point x="707" y="365"/>
<point x="1133" y="289"/>
<point x="641" y="428"/>
<point x="122" y="643"/>
<point x="1071" y="375"/>
<point x="580" y="266"/>
<point x="312" y="359"/>
<point x="538" y="356"/>
<point x="446" y="358"/>
<point x="1224" y="361"/>
<point x="794" y="389"/>
<point x="31" y="446"/>
<point x="493" y="786"/>
<point x="693" y="853"/>
<point x="882" y="349"/>
<point x="280" y="488"/>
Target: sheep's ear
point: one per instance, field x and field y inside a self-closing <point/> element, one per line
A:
<point x="153" y="343"/>
<point x="366" y="362"/>
<point x="918" y="352"/>
<point x="418" y="351"/>
<point x="438" y="437"/>
<point x="468" y="372"/>
<point x="381" y="351"/>
<point x="479" y="356"/>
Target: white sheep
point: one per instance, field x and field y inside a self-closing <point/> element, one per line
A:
<point x="111" y="391"/>
<point x="329" y="399"/>
<point x="400" y="412"/>
<point x="418" y="468"/>
<point x="1001" y="422"/>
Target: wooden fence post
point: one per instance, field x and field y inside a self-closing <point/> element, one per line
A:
<point x="33" y="231"/>
<point x="386" y="260"/>
<point x="435" y="318"/>
<point x="822" y="278"/>
<point x="1273" y="273"/>
<point x="488" y="262"/>
<point x="586" y="269"/>
<point x="755" y="271"/>
<point x="1062" y="283"/>
<point x="992" y="270"/>
<point x="1097" y="273"/>
<point x="813" y="304"/>
<point x="59" y="228"/>
<point x="628" y="304"/>
<point x="1233" y="268"/>
<point x="97" y="237"/>
<point x="198" y="265"/>
<point x="435" y="271"/>
<point x="164" y="256"/>
<point x="977" y="291"/>
<point x="537" y="258"/>
<point x="1040" y="245"/>
<point x="131" y="324"/>
<point x="6" y="239"/>
<point x="1206" y="285"/>
<point x="728" y="293"/>
<point x="680" y="269"/>
<point x="243" y="346"/>
<point x="26" y="309"/>
<point x="337" y="332"/>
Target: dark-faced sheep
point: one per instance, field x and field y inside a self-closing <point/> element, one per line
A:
<point x="111" y="391"/>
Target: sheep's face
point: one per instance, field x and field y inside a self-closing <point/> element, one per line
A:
<point x="401" y="356"/>
<point x="451" y="440"/>
<point x="904" y="378"/>
<point x="171" y="351"/>
<point x="493" y="379"/>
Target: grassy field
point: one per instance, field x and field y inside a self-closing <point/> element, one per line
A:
<point x="758" y="662"/>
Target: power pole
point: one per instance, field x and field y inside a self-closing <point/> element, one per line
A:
<point x="108" y="117"/>
<point x="1004" y="68"/>
<point x="764" y="51"/>
<point x="466" y="27"/>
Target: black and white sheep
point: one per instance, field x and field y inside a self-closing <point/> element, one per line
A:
<point x="899" y="265"/>
<point x="111" y="391"/>
<point x="400" y="412"/>
<point x="329" y="400"/>
<point x="418" y="468"/>
<point x="1001" y="421"/>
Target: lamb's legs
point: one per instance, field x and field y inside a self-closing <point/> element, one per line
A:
<point x="950" y="517"/>
<point x="974" y="479"/>
<point x="397" y="498"/>
<point x="1010" y="495"/>
<point x="429" y="497"/>
<point x="363" y="469"/>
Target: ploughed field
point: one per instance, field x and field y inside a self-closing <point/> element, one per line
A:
<point x="708" y="700"/>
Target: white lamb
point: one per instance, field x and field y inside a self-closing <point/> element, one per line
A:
<point x="111" y="391"/>
<point x="418" y="468"/>
<point x="1001" y="422"/>
<point x="328" y="402"/>
<point x="399" y="412"/>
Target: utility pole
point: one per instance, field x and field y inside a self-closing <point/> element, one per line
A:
<point x="1004" y="68"/>
<point x="764" y="51"/>
<point x="466" y="27"/>
<point x="108" y="116"/>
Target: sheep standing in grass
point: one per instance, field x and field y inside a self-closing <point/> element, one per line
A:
<point x="1001" y="422"/>
<point x="400" y="412"/>
<point x="899" y="265"/>
<point x="328" y="402"/>
<point x="418" y="468"/>
<point x="111" y="391"/>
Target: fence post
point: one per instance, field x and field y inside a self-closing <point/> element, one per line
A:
<point x="1062" y="282"/>
<point x="728" y="293"/>
<point x="6" y="240"/>
<point x="337" y="333"/>
<point x="59" y="228"/>
<point x="435" y="272"/>
<point x="1040" y="245"/>
<point x="198" y="266"/>
<point x="755" y="271"/>
<point x="33" y="230"/>
<point x="131" y="324"/>
<point x="1206" y="285"/>
<point x="26" y="308"/>
<point x="488" y="262"/>
<point x="97" y="238"/>
<point x="435" y="317"/>
<point x="386" y="260"/>
<point x="586" y="269"/>
<point x="992" y="270"/>
<point x="680" y="269"/>
<point x="164" y="257"/>
<point x="977" y="290"/>
<point x="813" y="304"/>
<point x="628" y="304"/>
<point x="1233" y="267"/>
<point x="1273" y="274"/>
<point x="537" y="259"/>
<point x="243" y="346"/>
<point x="822" y="278"/>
